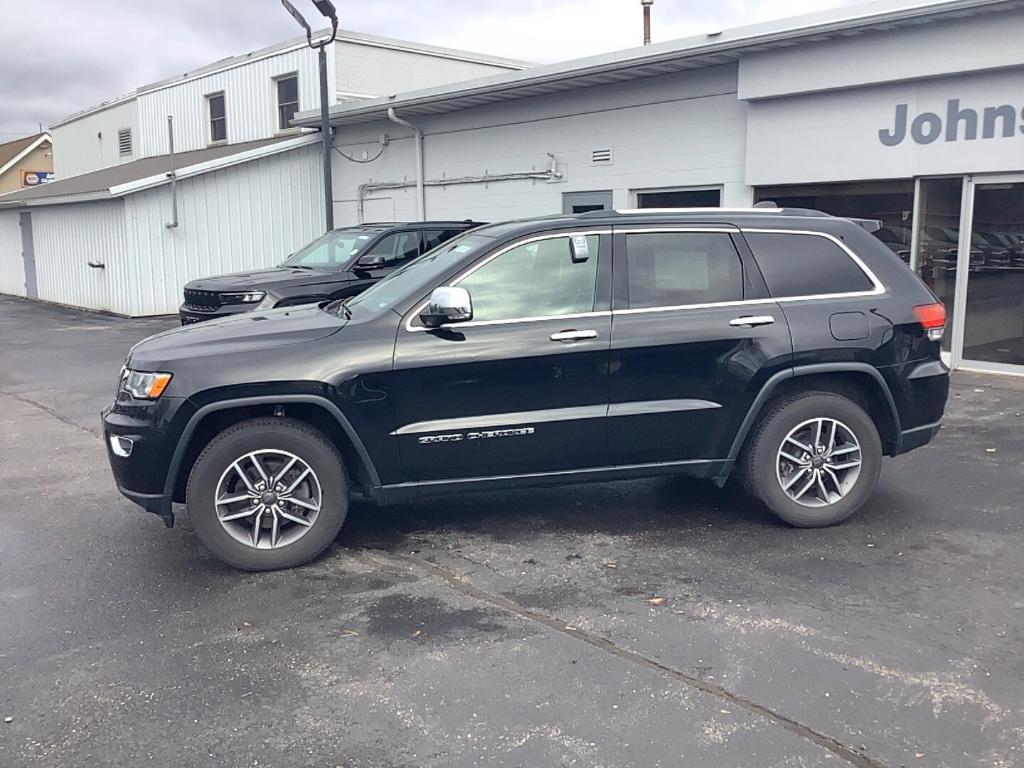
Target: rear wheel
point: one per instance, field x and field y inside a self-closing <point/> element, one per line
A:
<point x="814" y="459"/>
<point x="267" y="494"/>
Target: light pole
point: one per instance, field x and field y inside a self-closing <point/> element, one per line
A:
<point x="326" y="8"/>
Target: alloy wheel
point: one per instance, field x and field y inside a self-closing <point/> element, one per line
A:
<point x="819" y="462"/>
<point x="268" y="499"/>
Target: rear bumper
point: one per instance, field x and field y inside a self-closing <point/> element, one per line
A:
<point x="918" y="436"/>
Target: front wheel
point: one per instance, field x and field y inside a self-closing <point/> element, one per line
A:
<point x="814" y="459"/>
<point x="267" y="494"/>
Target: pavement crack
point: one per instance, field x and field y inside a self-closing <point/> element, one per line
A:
<point x="398" y="562"/>
<point x="52" y="412"/>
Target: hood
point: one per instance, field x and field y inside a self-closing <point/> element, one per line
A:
<point x="267" y="279"/>
<point x="244" y="333"/>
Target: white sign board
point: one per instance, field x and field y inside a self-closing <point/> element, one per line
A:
<point x="967" y="124"/>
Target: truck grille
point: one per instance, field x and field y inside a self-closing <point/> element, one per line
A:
<point x="202" y="301"/>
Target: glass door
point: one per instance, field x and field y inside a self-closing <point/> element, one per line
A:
<point x="936" y="238"/>
<point x="991" y="333"/>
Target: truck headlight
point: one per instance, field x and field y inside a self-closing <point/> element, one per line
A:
<point x="244" y="297"/>
<point x="145" y="386"/>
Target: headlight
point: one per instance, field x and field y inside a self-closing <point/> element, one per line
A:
<point x="247" y="297"/>
<point x="145" y="386"/>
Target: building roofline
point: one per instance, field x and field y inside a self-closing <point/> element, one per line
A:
<point x="155" y="180"/>
<point x="297" y="43"/>
<point x="37" y="142"/>
<point x="716" y="47"/>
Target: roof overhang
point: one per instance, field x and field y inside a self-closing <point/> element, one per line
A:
<point x="156" y="180"/>
<point x="697" y="52"/>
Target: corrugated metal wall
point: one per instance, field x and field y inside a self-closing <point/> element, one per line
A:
<point x="66" y="238"/>
<point x="91" y="142"/>
<point x="250" y="98"/>
<point x="12" y="268"/>
<point x="247" y="216"/>
<point x="374" y="69"/>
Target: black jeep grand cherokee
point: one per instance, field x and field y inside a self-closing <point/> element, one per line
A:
<point x="788" y="346"/>
<point x="334" y="266"/>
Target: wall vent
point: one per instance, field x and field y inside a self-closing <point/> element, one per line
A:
<point x="124" y="141"/>
<point x="601" y="157"/>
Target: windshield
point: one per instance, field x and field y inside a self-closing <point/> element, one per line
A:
<point x="419" y="274"/>
<point x="333" y="250"/>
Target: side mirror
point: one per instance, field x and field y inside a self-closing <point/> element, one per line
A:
<point x="371" y="262"/>
<point x="447" y="305"/>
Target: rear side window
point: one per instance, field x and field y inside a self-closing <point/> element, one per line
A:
<point x="805" y="265"/>
<point x="669" y="269"/>
<point x="434" y="237"/>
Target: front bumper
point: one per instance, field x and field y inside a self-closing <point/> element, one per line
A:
<point x="134" y="438"/>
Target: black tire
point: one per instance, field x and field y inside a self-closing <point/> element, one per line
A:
<point x="759" y="460"/>
<point x="298" y="439"/>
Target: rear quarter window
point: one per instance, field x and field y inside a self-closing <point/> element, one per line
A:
<point x="805" y="265"/>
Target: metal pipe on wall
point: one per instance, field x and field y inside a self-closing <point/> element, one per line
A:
<point x="173" y="223"/>
<point x="421" y="200"/>
<point x="647" y="20"/>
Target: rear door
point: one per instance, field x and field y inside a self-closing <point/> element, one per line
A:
<point x="523" y="387"/>
<point x="694" y="337"/>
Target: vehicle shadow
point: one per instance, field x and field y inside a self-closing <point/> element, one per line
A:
<point x="665" y="507"/>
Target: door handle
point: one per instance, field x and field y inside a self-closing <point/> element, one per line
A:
<point x="567" y="337"/>
<point x="749" y="321"/>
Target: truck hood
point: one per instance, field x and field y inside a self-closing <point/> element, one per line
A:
<point x="244" y="333"/>
<point x="267" y="279"/>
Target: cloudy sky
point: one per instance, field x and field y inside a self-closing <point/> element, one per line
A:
<point x="59" y="56"/>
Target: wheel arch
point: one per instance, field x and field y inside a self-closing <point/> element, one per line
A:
<point x="319" y="412"/>
<point x="860" y="382"/>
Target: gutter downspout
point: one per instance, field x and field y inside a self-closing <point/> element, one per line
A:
<point x="173" y="223"/>
<point x="421" y="200"/>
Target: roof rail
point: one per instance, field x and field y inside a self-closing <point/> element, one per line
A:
<point x="755" y="211"/>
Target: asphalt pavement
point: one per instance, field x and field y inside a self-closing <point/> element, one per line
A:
<point x="647" y="623"/>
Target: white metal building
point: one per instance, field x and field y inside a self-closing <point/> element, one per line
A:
<point x="909" y="112"/>
<point x="248" y="184"/>
<point x="257" y="94"/>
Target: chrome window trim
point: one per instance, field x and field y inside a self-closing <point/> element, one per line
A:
<point x="878" y="287"/>
<point x="877" y="290"/>
<point x="525" y="241"/>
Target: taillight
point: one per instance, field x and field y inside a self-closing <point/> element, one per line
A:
<point x="932" y="318"/>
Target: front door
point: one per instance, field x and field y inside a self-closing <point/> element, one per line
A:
<point x="520" y="389"/>
<point x="28" y="255"/>
<point x="689" y="354"/>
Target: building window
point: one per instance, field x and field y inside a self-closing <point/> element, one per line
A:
<point x="679" y="198"/>
<point x="218" y="117"/>
<point x="124" y="142"/>
<point x="287" y="101"/>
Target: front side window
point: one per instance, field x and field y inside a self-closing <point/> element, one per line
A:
<point x="397" y="248"/>
<point x="667" y="269"/>
<point x="538" y="279"/>
<point x="218" y="117"/>
<point x="287" y="101"/>
<point x="805" y="265"/>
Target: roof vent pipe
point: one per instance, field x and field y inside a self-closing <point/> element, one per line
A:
<point x="647" y="20"/>
<point x="418" y="138"/>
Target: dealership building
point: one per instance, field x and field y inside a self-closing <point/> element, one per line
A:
<point x="911" y="113"/>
